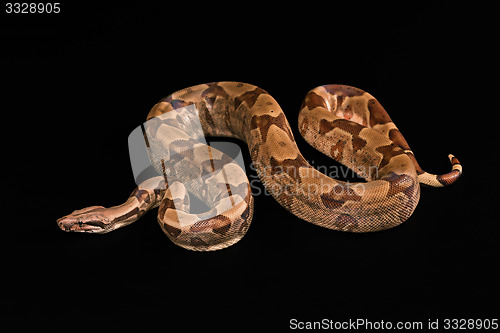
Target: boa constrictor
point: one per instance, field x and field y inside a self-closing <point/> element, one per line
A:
<point x="343" y="122"/>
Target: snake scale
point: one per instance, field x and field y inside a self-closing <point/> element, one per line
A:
<point x="343" y="122"/>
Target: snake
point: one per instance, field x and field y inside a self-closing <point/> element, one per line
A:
<point x="343" y="122"/>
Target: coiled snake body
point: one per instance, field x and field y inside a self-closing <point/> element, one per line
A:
<point x="345" y="123"/>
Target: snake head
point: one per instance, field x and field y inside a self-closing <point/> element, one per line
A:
<point x="91" y="219"/>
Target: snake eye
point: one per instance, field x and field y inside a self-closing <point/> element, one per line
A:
<point x="80" y="223"/>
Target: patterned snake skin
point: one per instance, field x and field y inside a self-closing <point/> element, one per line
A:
<point x="345" y="123"/>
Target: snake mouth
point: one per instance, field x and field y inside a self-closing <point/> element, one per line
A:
<point x="70" y="224"/>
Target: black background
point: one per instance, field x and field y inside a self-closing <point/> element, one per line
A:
<point x="75" y="84"/>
